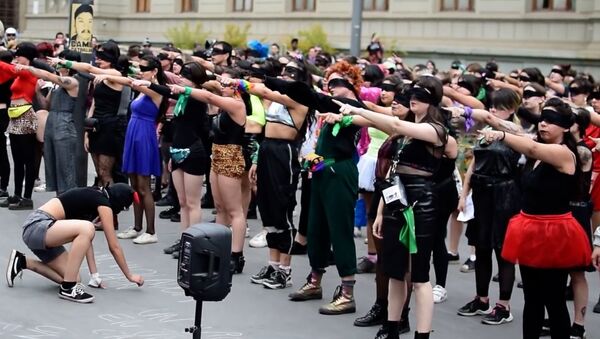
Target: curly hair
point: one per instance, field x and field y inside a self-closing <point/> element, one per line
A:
<point x="348" y="71"/>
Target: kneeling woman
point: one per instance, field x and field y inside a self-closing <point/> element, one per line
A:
<point x="544" y="238"/>
<point x="66" y="219"/>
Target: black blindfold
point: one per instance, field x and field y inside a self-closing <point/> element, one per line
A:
<point x="339" y="82"/>
<point x="422" y="95"/>
<point x="530" y="94"/>
<point x="102" y="55"/>
<point x="555" y="118"/>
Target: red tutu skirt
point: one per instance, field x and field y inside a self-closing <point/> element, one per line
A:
<point x="546" y="241"/>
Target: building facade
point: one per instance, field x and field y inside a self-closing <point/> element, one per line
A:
<point x="548" y="31"/>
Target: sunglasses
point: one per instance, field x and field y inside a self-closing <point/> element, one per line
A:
<point x="388" y="87"/>
<point x="11" y="35"/>
<point x="524" y="78"/>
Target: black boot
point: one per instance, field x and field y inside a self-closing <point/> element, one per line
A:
<point x="376" y="316"/>
<point x="421" y="335"/>
<point x="389" y="330"/>
<point x="404" y="324"/>
<point x="237" y="262"/>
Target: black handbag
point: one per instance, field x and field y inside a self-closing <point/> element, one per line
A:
<point x="90" y="124"/>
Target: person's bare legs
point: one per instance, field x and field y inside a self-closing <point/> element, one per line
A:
<point x="138" y="210"/>
<point x="193" y="196"/>
<point x="580" y="296"/>
<point x="396" y="299"/>
<point x="178" y="180"/>
<point x="230" y="191"/>
<point x="222" y="217"/>
<point x="147" y="202"/>
<point x="78" y="232"/>
<point x="424" y="306"/>
<point x="456" y="230"/>
<point x="45" y="270"/>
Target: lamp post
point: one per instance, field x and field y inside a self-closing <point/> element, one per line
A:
<point x="356" y="27"/>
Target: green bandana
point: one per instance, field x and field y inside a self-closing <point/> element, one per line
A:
<point x="346" y="121"/>
<point x="407" y="234"/>
<point x="182" y="102"/>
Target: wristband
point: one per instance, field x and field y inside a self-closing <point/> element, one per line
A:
<point x="69" y="64"/>
<point x="503" y="136"/>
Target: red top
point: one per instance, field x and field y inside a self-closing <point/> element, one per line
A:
<point x="24" y="85"/>
<point x="593" y="132"/>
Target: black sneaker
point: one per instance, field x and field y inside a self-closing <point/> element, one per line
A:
<point x="468" y="266"/>
<point x="262" y="275"/>
<point x="21" y="205"/>
<point x="545" y="328"/>
<point x="278" y="280"/>
<point x="500" y="315"/>
<point x="496" y="277"/>
<point x="237" y="264"/>
<point x="453" y="258"/>
<point x="76" y="294"/>
<point x="16" y="264"/>
<point x="577" y="332"/>
<point x="3" y="193"/>
<point x="173" y="248"/>
<point x="176" y="217"/>
<point x="365" y="265"/>
<point x="175" y="255"/>
<point x="167" y="214"/>
<point x="520" y="285"/>
<point x="597" y="307"/>
<point x="298" y="248"/>
<point x="404" y="325"/>
<point x="165" y="201"/>
<point x="475" y="307"/>
<point x="8" y="201"/>
<point x="376" y="316"/>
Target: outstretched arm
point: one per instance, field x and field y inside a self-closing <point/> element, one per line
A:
<point x="67" y="83"/>
<point x="83" y="67"/>
<point x="233" y="107"/>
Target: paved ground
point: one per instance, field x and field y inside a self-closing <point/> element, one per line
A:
<point x="160" y="310"/>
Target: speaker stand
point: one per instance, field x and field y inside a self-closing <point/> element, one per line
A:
<point x="196" y="330"/>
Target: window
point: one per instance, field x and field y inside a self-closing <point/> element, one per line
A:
<point x="375" y="5"/>
<point x="552" y="5"/>
<point x="457" y="5"/>
<point x="303" y="5"/>
<point x="242" y="5"/>
<point x="189" y="6"/>
<point x="142" y="6"/>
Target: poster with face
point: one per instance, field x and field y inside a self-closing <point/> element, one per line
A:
<point x="82" y="19"/>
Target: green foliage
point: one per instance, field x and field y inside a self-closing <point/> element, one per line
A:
<point x="312" y="36"/>
<point x="237" y="36"/>
<point x="185" y="37"/>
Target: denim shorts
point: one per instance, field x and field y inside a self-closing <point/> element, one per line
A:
<point x="35" y="228"/>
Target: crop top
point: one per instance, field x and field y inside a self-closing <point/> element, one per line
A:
<point x="546" y="190"/>
<point x="419" y="154"/>
<point x="226" y="131"/>
<point x="82" y="203"/>
<point x="279" y="114"/>
<point x="24" y="83"/>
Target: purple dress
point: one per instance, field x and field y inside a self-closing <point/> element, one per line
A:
<point x="141" y="154"/>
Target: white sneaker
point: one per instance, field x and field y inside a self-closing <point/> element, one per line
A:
<point x="131" y="233"/>
<point x="95" y="281"/>
<point x="40" y="189"/>
<point x="146" y="238"/>
<point x="439" y="294"/>
<point x="259" y="240"/>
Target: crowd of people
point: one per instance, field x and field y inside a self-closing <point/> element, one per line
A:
<point x="509" y="153"/>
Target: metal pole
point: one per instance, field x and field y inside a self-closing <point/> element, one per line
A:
<point x="357" y="6"/>
<point x="198" y="321"/>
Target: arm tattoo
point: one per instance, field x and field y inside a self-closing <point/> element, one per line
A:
<point x="585" y="156"/>
<point x="509" y="127"/>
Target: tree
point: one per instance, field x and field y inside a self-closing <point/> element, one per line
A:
<point x="313" y="36"/>
<point x="184" y="37"/>
<point x="235" y="35"/>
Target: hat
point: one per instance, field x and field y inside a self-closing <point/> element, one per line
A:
<point x="121" y="196"/>
<point x="10" y="30"/>
<point x="389" y="65"/>
<point x="26" y="50"/>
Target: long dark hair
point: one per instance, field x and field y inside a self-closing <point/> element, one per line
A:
<point x="162" y="80"/>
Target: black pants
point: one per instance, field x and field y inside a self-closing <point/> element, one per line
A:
<point x="483" y="273"/>
<point x="448" y="202"/>
<point x="4" y="163"/>
<point x="545" y="288"/>
<point x="23" y="153"/>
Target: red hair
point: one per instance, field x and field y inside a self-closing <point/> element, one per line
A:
<point x="45" y="49"/>
<point x="350" y="72"/>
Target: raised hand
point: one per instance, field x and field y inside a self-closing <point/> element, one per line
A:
<point x="346" y="109"/>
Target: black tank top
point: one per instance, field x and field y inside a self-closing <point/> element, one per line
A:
<point x="546" y="190"/>
<point x="226" y="131"/>
<point x="445" y="171"/>
<point x="82" y="203"/>
<point x="419" y="154"/>
<point x="106" y="101"/>
<point x="495" y="160"/>
<point x="583" y="194"/>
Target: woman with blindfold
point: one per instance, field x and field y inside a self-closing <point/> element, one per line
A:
<point x="334" y="172"/>
<point x="579" y="90"/>
<point x="188" y="156"/>
<point x="417" y="157"/>
<point x="545" y="239"/>
<point x="228" y="164"/>
<point x="275" y="172"/>
<point x="100" y="139"/>
<point x="22" y="125"/>
<point x="141" y="157"/>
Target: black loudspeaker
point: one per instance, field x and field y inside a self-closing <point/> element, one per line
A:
<point x="204" y="262"/>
